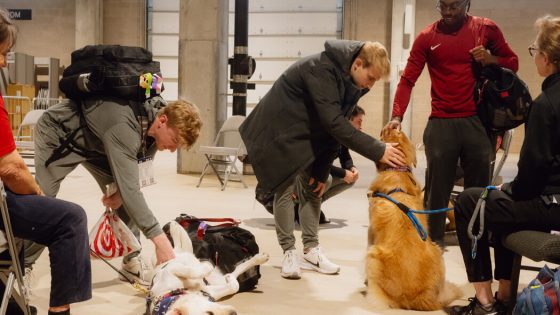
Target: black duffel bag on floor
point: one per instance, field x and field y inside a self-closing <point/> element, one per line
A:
<point x="224" y="243"/>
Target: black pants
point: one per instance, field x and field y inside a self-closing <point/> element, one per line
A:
<point x="446" y="142"/>
<point x="62" y="227"/>
<point x="502" y="216"/>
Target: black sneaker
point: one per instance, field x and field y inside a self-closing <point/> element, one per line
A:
<point x="475" y="308"/>
<point x="502" y="307"/>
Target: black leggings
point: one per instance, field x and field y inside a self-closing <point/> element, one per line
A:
<point x="503" y="215"/>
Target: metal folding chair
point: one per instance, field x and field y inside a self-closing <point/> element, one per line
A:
<point x="224" y="153"/>
<point x="10" y="268"/>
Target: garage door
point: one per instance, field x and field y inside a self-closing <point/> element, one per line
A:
<point x="280" y="32"/>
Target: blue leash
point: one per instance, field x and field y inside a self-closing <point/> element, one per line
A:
<point x="480" y="207"/>
<point x="410" y="214"/>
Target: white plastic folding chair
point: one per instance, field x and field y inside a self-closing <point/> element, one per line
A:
<point x="224" y="153"/>
<point x="25" y="130"/>
<point x="10" y="268"/>
<point x="24" y="136"/>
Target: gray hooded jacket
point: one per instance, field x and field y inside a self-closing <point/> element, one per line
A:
<point x="303" y="119"/>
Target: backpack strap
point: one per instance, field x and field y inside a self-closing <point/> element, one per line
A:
<point x="222" y="221"/>
<point x="143" y="113"/>
<point x="203" y="225"/>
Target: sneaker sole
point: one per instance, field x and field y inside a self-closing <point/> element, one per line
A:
<point x="293" y="276"/>
<point x="133" y="278"/>
<point x="304" y="264"/>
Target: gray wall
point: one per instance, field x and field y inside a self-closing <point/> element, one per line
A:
<point x="51" y="32"/>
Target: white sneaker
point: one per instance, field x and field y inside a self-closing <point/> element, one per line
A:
<point x="290" y="265"/>
<point x="316" y="260"/>
<point x="136" y="270"/>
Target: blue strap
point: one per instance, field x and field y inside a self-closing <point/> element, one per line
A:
<point x="412" y="210"/>
<point x="409" y="213"/>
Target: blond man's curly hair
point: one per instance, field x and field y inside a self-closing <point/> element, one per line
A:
<point x="185" y="117"/>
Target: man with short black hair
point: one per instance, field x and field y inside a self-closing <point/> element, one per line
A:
<point x="454" y="48"/>
<point x="343" y="177"/>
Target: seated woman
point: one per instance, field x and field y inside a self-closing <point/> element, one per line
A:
<point x="531" y="200"/>
<point x="60" y="225"/>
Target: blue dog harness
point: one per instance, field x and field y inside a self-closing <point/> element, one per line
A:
<point x="409" y="212"/>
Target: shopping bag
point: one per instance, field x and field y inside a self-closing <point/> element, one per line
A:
<point x="111" y="238"/>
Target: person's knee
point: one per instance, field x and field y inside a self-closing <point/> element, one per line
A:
<point x="466" y="201"/>
<point x="75" y="215"/>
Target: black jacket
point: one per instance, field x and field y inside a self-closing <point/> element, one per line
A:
<point x="539" y="159"/>
<point x="304" y="117"/>
<point x="346" y="163"/>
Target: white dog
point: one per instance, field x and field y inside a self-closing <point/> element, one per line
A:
<point x="187" y="286"/>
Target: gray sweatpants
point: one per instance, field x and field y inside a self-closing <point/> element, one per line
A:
<point x="309" y="210"/>
<point x="50" y="178"/>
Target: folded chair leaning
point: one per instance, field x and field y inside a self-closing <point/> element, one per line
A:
<point x="223" y="155"/>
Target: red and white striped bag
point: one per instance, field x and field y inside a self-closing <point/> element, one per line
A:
<point x="111" y="238"/>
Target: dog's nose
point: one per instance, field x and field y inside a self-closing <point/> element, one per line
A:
<point x="233" y="313"/>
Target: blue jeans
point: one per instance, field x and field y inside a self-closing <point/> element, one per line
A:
<point x="62" y="227"/>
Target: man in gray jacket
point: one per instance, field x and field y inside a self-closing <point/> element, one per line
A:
<point x="110" y="137"/>
<point x="295" y="132"/>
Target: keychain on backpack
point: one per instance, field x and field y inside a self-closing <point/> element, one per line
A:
<point x="151" y="81"/>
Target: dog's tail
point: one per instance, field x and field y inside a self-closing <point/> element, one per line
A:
<point x="449" y="293"/>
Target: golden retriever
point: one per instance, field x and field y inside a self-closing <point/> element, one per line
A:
<point x="403" y="271"/>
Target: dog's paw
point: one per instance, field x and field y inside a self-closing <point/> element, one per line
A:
<point x="232" y="282"/>
<point x="206" y="268"/>
<point x="261" y="258"/>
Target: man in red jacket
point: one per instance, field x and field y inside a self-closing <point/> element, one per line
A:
<point x="452" y="47"/>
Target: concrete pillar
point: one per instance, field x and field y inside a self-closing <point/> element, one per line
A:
<point x="124" y="22"/>
<point x="89" y="26"/>
<point x="203" y="49"/>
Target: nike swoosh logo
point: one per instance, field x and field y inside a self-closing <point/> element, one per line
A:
<point x="314" y="264"/>
<point x="434" y="47"/>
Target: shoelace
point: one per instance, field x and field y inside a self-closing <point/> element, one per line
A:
<point x="472" y="305"/>
<point x="291" y="259"/>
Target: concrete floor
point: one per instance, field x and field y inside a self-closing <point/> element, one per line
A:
<point x="343" y="240"/>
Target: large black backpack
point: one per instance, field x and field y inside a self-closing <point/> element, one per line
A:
<point x="109" y="70"/>
<point x="502" y="99"/>
<point x="225" y="244"/>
